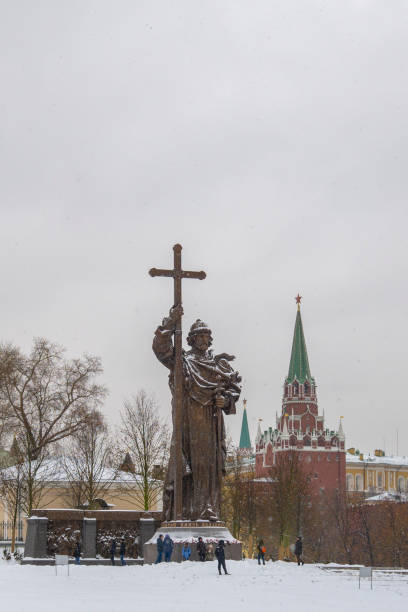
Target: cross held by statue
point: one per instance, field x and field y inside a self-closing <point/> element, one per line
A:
<point x="178" y="274"/>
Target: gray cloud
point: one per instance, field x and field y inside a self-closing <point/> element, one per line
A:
<point x="269" y="139"/>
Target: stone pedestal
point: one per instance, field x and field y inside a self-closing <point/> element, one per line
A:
<point x="147" y="529"/>
<point x="36" y="538"/>
<point x="89" y="538"/>
<point x="189" y="531"/>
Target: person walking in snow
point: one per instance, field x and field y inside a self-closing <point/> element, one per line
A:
<point x="168" y="546"/>
<point x="261" y="552"/>
<point x="220" y="554"/>
<point x="122" y="551"/>
<point x="201" y="549"/>
<point x="186" y="552"/>
<point x="159" y="548"/>
<point x="299" y="550"/>
<point x="113" y="551"/>
<point x="77" y="553"/>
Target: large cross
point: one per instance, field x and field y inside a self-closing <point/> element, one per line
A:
<point x="177" y="274"/>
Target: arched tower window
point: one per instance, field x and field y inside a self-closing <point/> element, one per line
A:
<point x="295" y="387"/>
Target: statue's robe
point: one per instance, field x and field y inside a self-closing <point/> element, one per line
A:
<point x="203" y="433"/>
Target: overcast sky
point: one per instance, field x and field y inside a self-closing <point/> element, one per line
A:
<point x="269" y="138"/>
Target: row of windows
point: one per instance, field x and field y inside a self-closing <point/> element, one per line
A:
<point x="327" y="456"/>
<point x="357" y="484"/>
<point x="307" y="389"/>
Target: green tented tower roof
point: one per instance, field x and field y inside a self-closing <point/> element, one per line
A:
<point x="299" y="363"/>
<point x="244" y="441"/>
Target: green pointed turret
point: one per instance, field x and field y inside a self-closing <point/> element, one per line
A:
<point x="299" y="364"/>
<point x="244" y="441"/>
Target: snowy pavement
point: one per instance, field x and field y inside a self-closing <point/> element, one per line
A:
<point x="195" y="586"/>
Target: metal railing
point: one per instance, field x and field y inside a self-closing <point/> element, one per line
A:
<point x="6" y="529"/>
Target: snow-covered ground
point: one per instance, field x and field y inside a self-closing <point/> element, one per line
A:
<point x="197" y="587"/>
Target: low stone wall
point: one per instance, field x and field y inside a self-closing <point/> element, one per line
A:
<point x="56" y="531"/>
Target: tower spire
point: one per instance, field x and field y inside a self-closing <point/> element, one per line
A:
<point x="244" y="441"/>
<point x="259" y="432"/>
<point x="299" y="363"/>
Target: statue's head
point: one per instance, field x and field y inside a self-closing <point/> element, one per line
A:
<point x="199" y="336"/>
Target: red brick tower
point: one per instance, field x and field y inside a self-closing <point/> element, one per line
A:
<point x="301" y="428"/>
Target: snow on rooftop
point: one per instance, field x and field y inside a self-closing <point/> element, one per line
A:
<point x="53" y="470"/>
<point x="367" y="458"/>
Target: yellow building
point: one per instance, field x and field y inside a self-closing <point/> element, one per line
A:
<point x="377" y="473"/>
<point x="116" y="490"/>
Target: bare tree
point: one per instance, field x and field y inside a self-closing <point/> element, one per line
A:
<point x="47" y="399"/>
<point x="240" y="496"/>
<point x="288" y="497"/>
<point x="146" y="438"/>
<point x="87" y="463"/>
<point x="341" y="516"/>
<point x="25" y="481"/>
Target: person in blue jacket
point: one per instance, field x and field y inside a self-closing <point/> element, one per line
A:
<point x="167" y="547"/>
<point x="159" y="548"/>
<point x="122" y="551"/>
<point x="113" y="551"/>
<point x="77" y="553"/>
<point x="186" y="552"/>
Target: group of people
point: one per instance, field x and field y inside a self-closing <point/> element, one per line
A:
<point x="205" y="552"/>
<point x="297" y="549"/>
<point x="112" y="551"/>
<point x="122" y="551"/>
<point x="165" y="546"/>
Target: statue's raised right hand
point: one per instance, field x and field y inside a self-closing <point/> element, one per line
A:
<point x="176" y="312"/>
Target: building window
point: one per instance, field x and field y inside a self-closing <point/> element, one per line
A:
<point x="379" y="481"/>
<point x="359" y="482"/>
<point x="349" y="482"/>
<point x="401" y="484"/>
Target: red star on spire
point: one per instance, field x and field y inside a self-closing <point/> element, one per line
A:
<point x="298" y="299"/>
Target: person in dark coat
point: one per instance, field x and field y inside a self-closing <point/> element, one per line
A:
<point x="220" y="554"/>
<point x="159" y="548"/>
<point x="201" y="549"/>
<point x="122" y="551"/>
<point x="77" y="553"/>
<point x="299" y="550"/>
<point x="113" y="551"/>
<point x="261" y="552"/>
<point x="167" y="547"/>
